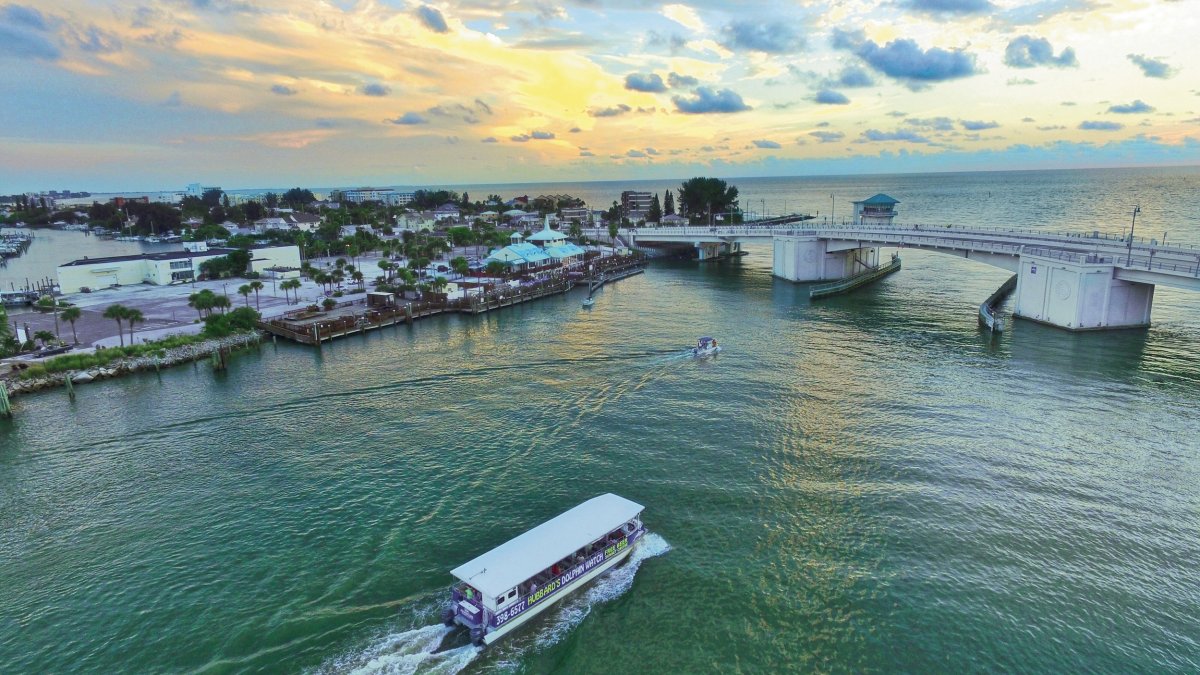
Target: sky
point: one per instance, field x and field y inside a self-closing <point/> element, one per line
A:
<point x="106" y="95"/>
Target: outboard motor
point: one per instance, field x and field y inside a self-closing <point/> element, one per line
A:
<point x="448" y="616"/>
<point x="477" y="636"/>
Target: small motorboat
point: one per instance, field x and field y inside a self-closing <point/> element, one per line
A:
<point x="706" y="346"/>
<point x="588" y="302"/>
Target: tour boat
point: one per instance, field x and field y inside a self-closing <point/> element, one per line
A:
<point x="519" y="579"/>
<point x="705" y="346"/>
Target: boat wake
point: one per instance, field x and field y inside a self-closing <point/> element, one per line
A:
<point x="415" y="650"/>
<point x="406" y="652"/>
<point x="608" y="587"/>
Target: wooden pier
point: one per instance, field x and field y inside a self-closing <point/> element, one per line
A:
<point x="314" y="326"/>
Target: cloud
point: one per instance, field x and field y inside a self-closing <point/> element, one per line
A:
<point x="226" y="6"/>
<point x="634" y="153"/>
<point x="651" y="151"/>
<point x="24" y="34"/>
<point x="905" y="60"/>
<point x="574" y="130"/>
<point x="1137" y="106"/>
<point x="774" y="37"/>
<point x="677" y="81"/>
<point x="854" y="77"/>
<point x="970" y="125"/>
<point x="174" y="100"/>
<point x="433" y="19"/>
<point x="1020" y="81"/>
<point x="468" y="114"/>
<point x="612" y="111"/>
<point x="831" y="97"/>
<point x="324" y="123"/>
<point x="532" y="136"/>
<point x="283" y="90"/>
<point x="768" y="145"/>
<point x="948" y="7"/>
<point x="898" y="135"/>
<point x="586" y="153"/>
<point x="646" y="82"/>
<point x="931" y="123"/>
<point x="827" y="136"/>
<point x="707" y="100"/>
<point x="98" y="41"/>
<point x="489" y="139"/>
<point x="1026" y="51"/>
<point x="375" y="90"/>
<point x="409" y="118"/>
<point x="1039" y="12"/>
<point x="1151" y="67"/>
<point x="1100" y="126"/>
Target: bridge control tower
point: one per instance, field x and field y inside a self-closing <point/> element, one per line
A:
<point x="878" y="210"/>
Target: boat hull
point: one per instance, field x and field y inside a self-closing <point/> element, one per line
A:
<point x="497" y="633"/>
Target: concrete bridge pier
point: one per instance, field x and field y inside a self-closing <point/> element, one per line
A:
<point x="809" y="258"/>
<point x="1079" y="294"/>
<point x="711" y="251"/>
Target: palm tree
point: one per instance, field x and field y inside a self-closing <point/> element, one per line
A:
<point x="45" y="337"/>
<point x="71" y="315"/>
<point x="257" y="286"/>
<point x="133" y="316"/>
<point x="358" y="277"/>
<point x="201" y="301"/>
<point x="289" y="285"/>
<point x="244" y="290"/>
<point x="460" y="265"/>
<point x="220" y="302"/>
<point x="117" y="313"/>
<point x="613" y="228"/>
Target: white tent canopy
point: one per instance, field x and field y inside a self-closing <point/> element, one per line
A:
<point x="518" y="559"/>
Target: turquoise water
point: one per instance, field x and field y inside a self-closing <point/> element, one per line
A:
<point x="867" y="484"/>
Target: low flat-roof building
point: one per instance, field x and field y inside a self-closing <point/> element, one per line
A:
<point x="164" y="268"/>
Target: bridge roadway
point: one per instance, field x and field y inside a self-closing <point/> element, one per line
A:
<point x="1107" y="282"/>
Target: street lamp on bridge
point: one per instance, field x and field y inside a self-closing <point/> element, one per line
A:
<point x="1129" y="256"/>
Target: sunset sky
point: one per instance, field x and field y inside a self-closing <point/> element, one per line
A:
<point x="102" y="95"/>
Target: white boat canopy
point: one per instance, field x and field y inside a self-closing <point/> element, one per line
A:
<point x="518" y="559"/>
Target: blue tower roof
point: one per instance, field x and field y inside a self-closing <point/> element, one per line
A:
<point x="879" y="200"/>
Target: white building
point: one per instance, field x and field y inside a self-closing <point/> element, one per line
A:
<point x="162" y="268"/>
<point x="303" y="222"/>
<point x="878" y="210"/>
<point x="386" y="196"/>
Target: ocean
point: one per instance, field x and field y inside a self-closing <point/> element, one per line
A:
<point x="865" y="484"/>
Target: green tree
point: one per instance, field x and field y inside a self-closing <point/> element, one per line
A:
<point x="117" y="313"/>
<point x="613" y="228"/>
<point x="244" y="290"/>
<point x="8" y="343"/>
<point x="654" y="214"/>
<point x="71" y="315"/>
<point x="256" y="286"/>
<point x="575" y="230"/>
<point x="212" y="198"/>
<point x="133" y="316"/>
<point x="668" y="204"/>
<point x="496" y="268"/>
<point x="702" y="197"/>
<point x="288" y="285"/>
<point x="45" y="337"/>
<point x="460" y="265"/>
<point x="202" y="302"/>
<point x="328" y="304"/>
<point x="221" y="302"/>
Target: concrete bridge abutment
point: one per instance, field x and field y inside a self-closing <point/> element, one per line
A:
<point x="810" y="258"/>
<point x="1079" y="295"/>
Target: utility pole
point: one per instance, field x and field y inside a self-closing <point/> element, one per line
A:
<point x="832" y="209"/>
<point x="1129" y="256"/>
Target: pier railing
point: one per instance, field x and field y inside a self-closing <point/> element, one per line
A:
<point x="854" y="281"/>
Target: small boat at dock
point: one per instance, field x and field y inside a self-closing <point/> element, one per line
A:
<point x="514" y="582"/>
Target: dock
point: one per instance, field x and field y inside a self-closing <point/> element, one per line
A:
<point x="310" y="326"/>
<point x="855" y="281"/>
